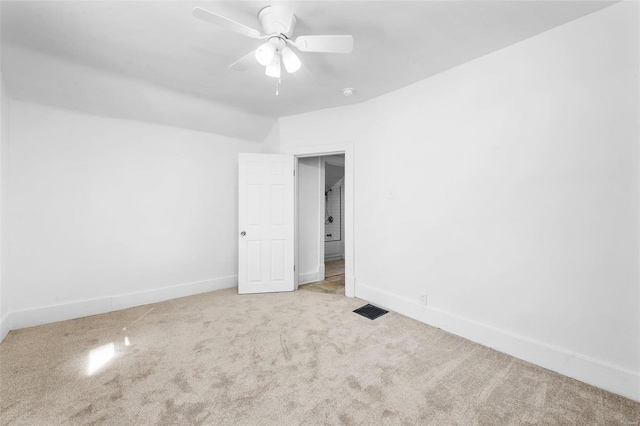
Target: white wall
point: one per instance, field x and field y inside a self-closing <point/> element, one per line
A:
<point x="309" y="186"/>
<point x="106" y="213"/>
<point x="4" y="147"/>
<point x="515" y="207"/>
<point x="272" y="141"/>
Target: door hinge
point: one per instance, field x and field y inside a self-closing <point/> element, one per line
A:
<point x="294" y="268"/>
<point x="294" y="172"/>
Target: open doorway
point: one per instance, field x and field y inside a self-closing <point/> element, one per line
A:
<point x="309" y="197"/>
<point x="321" y="223"/>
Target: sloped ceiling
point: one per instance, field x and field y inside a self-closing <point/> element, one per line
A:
<point x="151" y="60"/>
<point x="332" y="175"/>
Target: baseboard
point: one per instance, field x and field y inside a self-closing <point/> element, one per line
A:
<point x="5" y="326"/>
<point x="173" y="292"/>
<point x="67" y="311"/>
<point x="580" y="367"/>
<point x="309" y="277"/>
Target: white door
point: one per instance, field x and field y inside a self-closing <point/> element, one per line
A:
<point x="266" y="223"/>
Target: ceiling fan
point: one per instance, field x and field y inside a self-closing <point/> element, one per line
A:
<point x="278" y="24"/>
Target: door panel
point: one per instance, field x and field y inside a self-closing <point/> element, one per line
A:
<point x="278" y="255"/>
<point x="277" y="204"/>
<point x="254" y="261"/>
<point x="266" y="216"/>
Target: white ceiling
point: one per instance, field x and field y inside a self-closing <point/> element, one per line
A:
<point x="396" y="43"/>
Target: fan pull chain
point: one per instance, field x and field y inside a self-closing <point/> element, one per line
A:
<point x="277" y="86"/>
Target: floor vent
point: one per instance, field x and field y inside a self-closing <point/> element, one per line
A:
<point x="370" y="311"/>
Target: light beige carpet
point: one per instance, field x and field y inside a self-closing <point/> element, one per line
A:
<point x="278" y="359"/>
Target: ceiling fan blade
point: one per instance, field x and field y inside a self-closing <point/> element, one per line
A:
<point x="227" y="23"/>
<point x="325" y="43"/>
<point x="245" y="62"/>
<point x="282" y="14"/>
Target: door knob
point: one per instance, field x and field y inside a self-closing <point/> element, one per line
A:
<point x="243" y="233"/>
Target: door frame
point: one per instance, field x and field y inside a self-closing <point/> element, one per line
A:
<point x="322" y="203"/>
<point x="346" y="148"/>
<point x="321" y="224"/>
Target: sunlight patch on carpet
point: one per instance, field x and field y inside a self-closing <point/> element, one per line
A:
<point x="99" y="356"/>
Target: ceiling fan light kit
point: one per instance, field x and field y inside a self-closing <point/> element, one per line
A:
<point x="273" y="53"/>
<point x="278" y="23"/>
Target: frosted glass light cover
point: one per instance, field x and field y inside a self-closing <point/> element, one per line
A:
<point x="264" y="54"/>
<point x="291" y="61"/>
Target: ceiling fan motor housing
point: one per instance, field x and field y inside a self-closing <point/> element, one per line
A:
<point x="270" y="26"/>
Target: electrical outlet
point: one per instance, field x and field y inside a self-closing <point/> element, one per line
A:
<point x="423" y="299"/>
